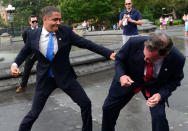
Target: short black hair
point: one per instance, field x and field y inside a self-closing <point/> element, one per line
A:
<point x="48" y="10"/>
<point x="32" y="16"/>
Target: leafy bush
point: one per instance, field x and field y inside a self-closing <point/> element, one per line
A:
<point x="175" y="22"/>
<point x="147" y="14"/>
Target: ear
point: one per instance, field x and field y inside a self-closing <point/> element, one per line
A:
<point x="44" y="18"/>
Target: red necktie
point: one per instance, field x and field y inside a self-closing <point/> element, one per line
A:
<point x="147" y="77"/>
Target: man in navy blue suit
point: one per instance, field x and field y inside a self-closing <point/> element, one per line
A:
<point x="52" y="44"/>
<point x="148" y="64"/>
<point x="30" y="60"/>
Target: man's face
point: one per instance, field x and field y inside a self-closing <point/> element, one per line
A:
<point x="151" y="57"/>
<point x="33" y="22"/>
<point x="128" y="4"/>
<point x="52" y="23"/>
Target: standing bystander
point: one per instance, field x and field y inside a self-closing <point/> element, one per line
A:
<point x="185" y="18"/>
<point x="161" y="22"/>
<point x="170" y="20"/>
<point x="129" y="19"/>
<point x="30" y="60"/>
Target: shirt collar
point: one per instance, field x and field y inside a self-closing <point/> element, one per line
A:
<point x="45" y="32"/>
<point x="34" y="28"/>
<point x="158" y="62"/>
<point x="130" y="10"/>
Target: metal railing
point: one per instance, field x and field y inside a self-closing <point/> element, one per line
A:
<point x="17" y="31"/>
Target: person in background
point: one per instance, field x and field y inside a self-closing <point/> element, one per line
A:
<point x="166" y="21"/>
<point x="164" y="24"/>
<point x="170" y="20"/>
<point x="84" y="24"/>
<point x="129" y="19"/>
<point x="30" y="60"/>
<point x="185" y="18"/>
<point x="161" y="22"/>
<point x="73" y="29"/>
<point x="114" y="27"/>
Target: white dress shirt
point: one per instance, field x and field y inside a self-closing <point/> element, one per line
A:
<point x="43" y="43"/>
<point x="34" y="28"/>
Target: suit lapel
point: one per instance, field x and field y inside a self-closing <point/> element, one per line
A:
<point x="37" y="38"/>
<point x="142" y="63"/>
<point x="164" y="67"/>
<point x="60" y="38"/>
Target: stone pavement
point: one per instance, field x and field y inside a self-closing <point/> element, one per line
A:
<point x="53" y="118"/>
<point x="61" y="114"/>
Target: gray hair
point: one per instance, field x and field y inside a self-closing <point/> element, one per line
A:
<point x="48" y="10"/>
<point x="160" y="42"/>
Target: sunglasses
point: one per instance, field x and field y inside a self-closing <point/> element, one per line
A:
<point x="35" y="21"/>
<point x="128" y="3"/>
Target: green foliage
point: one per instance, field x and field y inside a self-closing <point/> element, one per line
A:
<point x="80" y="10"/>
<point x="25" y="8"/>
<point x="148" y="14"/>
<point x="2" y="22"/>
<point x="99" y="11"/>
<point x="175" y="22"/>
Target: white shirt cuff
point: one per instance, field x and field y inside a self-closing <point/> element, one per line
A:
<point x="14" y="64"/>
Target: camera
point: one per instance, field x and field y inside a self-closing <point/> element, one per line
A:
<point x="125" y="22"/>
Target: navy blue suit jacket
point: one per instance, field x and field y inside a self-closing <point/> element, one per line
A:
<point x="130" y="61"/>
<point x="61" y="67"/>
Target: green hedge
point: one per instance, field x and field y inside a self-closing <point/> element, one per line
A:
<point x="175" y="22"/>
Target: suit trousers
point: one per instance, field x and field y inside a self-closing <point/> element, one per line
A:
<point x="75" y="91"/>
<point x="29" y="62"/>
<point x="113" y="105"/>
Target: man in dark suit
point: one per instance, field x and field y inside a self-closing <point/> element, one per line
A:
<point x="150" y="64"/>
<point x="51" y="45"/>
<point x="30" y="60"/>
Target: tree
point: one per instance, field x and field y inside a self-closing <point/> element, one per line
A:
<point x="25" y="8"/>
<point x="80" y="10"/>
<point x="100" y="11"/>
<point x="2" y="22"/>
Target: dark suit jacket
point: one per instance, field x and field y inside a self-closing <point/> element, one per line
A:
<point x="130" y="61"/>
<point x="62" y="69"/>
<point x="24" y="35"/>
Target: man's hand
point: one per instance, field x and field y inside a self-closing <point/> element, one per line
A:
<point x="125" y="16"/>
<point x="154" y="100"/>
<point x="15" y="71"/>
<point x="112" y="56"/>
<point x="126" y="81"/>
<point x="131" y="20"/>
<point x="138" y="22"/>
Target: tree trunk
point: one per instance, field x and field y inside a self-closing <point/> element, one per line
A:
<point x="174" y="13"/>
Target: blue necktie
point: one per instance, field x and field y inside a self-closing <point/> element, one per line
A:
<point x="50" y="50"/>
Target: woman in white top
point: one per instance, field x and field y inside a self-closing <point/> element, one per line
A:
<point x="185" y="18"/>
<point x="161" y="22"/>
